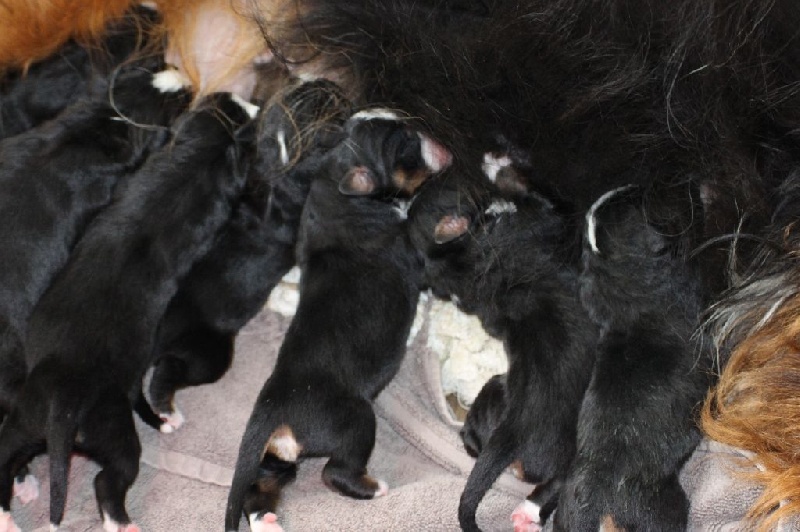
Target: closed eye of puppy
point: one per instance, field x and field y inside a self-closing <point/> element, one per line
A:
<point x="502" y="256"/>
<point x="355" y="255"/>
<point x="228" y="286"/>
<point x="90" y="336"/>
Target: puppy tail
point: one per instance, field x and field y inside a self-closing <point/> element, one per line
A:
<point x="63" y="428"/>
<point x="259" y="428"/>
<point x="495" y="457"/>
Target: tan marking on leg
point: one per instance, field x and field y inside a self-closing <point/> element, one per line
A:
<point x="283" y="444"/>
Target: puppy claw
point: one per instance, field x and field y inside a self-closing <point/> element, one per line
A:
<point x="526" y="517"/>
<point x="383" y="489"/>
<point x="267" y="523"/>
<point x="7" y="524"/>
<point x="27" y="490"/>
<point x="172" y="421"/>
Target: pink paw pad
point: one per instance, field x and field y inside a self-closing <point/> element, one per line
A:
<point x="383" y="488"/>
<point x="7" y="524"/>
<point x="27" y="490"/>
<point x="172" y="421"/>
<point x="267" y="523"/>
<point x="526" y="517"/>
<point x="109" y="525"/>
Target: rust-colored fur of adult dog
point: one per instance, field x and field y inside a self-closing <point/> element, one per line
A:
<point x="34" y="29"/>
<point x="756" y="407"/>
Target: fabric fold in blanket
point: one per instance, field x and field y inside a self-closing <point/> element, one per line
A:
<point x="184" y="477"/>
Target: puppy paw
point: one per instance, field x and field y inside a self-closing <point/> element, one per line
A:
<point x="7" y="524"/>
<point x="109" y="525"/>
<point x="266" y="523"/>
<point x="27" y="490"/>
<point x="172" y="421"/>
<point x="383" y="488"/>
<point x="526" y="517"/>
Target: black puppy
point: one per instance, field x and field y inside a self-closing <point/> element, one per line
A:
<point x="45" y="88"/>
<point x="225" y="289"/>
<point x="90" y="337"/>
<point x="504" y="258"/>
<point x="55" y="177"/>
<point x="355" y="258"/>
<point x="636" y="424"/>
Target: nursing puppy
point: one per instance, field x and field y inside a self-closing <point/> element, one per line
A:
<point x="355" y="256"/>
<point x="90" y="337"/>
<point x="506" y="259"/>
<point x="54" y="179"/>
<point x="228" y="286"/>
<point x="39" y="92"/>
<point x="636" y="425"/>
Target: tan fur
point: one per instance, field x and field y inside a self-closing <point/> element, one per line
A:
<point x="34" y="29"/>
<point x="283" y="444"/>
<point x="756" y="407"/>
<point x="608" y="525"/>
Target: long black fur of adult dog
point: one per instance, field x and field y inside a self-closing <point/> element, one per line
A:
<point x="358" y="293"/>
<point x="90" y="337"/>
<point x="225" y="289"/>
<point x="511" y="265"/>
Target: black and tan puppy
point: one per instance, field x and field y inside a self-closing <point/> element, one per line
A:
<point x="356" y="258"/>
<point x="90" y="337"/>
<point x="636" y="425"/>
<point x="506" y="259"/>
<point x="228" y="286"/>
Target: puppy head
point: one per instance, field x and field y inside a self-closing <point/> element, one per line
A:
<point x="383" y="156"/>
<point x="632" y="266"/>
<point x="299" y="122"/>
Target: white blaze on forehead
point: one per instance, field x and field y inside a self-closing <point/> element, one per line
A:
<point x="436" y="156"/>
<point x="170" y="81"/>
<point x="492" y="165"/>
<point x="401" y="208"/>
<point x="499" y="207"/>
<point x="591" y="220"/>
<point x="377" y="113"/>
<point x="249" y="108"/>
<point x="281" y="136"/>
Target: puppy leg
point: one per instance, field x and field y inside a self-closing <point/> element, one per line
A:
<point x="17" y="447"/>
<point x="198" y="357"/>
<point x="353" y="430"/>
<point x="109" y="437"/>
<point x="263" y="496"/>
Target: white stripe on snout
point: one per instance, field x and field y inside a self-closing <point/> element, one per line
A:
<point x="401" y="208"/>
<point x="170" y="81"/>
<point x="281" y="136"/>
<point x="492" y="165"/>
<point x="591" y="220"/>
<point x="249" y="108"/>
<point x="499" y="207"/>
<point x="376" y="113"/>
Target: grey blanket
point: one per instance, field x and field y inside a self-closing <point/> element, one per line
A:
<point x="185" y="476"/>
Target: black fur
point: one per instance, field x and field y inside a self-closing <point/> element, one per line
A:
<point x="358" y="295"/>
<point x="73" y="72"/>
<point x="91" y="335"/>
<point x="53" y="180"/>
<point x="225" y="289"/>
<point x="636" y="424"/>
<point x="514" y="271"/>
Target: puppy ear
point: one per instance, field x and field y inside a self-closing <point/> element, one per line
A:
<point x="358" y="181"/>
<point x="449" y="228"/>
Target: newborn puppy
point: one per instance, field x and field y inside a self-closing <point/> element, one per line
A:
<point x="228" y="286"/>
<point x="503" y="258"/>
<point x="53" y="180"/>
<point x="73" y="72"/>
<point x="636" y="425"/>
<point x="355" y="258"/>
<point x="90" y="337"/>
